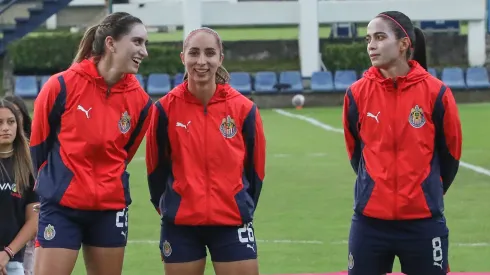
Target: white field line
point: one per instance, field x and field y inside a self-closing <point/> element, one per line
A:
<point x="329" y="128"/>
<point x="326" y="127"/>
<point x="312" y="242"/>
<point x="259" y="241"/>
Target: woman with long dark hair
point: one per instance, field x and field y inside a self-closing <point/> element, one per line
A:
<point x="403" y="136"/>
<point x="26" y="120"/>
<point x="18" y="221"/>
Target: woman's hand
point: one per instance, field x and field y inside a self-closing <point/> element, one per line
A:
<point x="36" y="207"/>
<point x="4" y="260"/>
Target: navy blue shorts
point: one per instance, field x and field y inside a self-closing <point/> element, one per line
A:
<point x="63" y="227"/>
<point x="420" y="245"/>
<point x="181" y="243"/>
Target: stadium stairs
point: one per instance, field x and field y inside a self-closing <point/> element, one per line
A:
<point x="23" y="26"/>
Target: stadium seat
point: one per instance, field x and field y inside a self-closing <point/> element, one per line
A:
<point x="343" y="79"/>
<point x="141" y="80"/>
<point x="292" y="78"/>
<point x="44" y="79"/>
<point x="432" y="71"/>
<point x="26" y="86"/>
<point x="178" y="79"/>
<point x="453" y="77"/>
<point x="477" y="78"/>
<point x="241" y="81"/>
<point x="158" y="84"/>
<point x="322" y="82"/>
<point x="265" y="81"/>
<point x="343" y="30"/>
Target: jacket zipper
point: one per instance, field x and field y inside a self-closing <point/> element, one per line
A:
<point x="395" y="137"/>
<point x="103" y="135"/>
<point x="207" y="181"/>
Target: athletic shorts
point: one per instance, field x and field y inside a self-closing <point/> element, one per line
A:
<point x="181" y="243"/>
<point x="63" y="227"/>
<point x="420" y="245"/>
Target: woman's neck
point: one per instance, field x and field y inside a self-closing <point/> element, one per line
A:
<point x="397" y="69"/>
<point x="6" y="150"/>
<point x="110" y="75"/>
<point x="202" y="92"/>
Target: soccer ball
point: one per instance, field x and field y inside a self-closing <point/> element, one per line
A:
<point x="298" y="101"/>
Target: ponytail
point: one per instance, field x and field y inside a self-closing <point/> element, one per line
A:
<point x="222" y="76"/>
<point x="85" y="47"/>
<point x="419" y="51"/>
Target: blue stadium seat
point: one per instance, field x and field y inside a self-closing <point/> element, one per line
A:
<point x="265" y="81"/>
<point x="26" y="86"/>
<point x="178" y="79"/>
<point x="343" y="79"/>
<point x="477" y="78"/>
<point x="343" y="30"/>
<point x="158" y="84"/>
<point x="141" y="80"/>
<point x="453" y="77"/>
<point x="44" y="79"/>
<point x="432" y="71"/>
<point x="322" y="82"/>
<point x="241" y="81"/>
<point x="292" y="78"/>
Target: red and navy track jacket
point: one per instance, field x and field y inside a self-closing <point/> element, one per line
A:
<point x="84" y="134"/>
<point x="403" y="139"/>
<point x="205" y="164"/>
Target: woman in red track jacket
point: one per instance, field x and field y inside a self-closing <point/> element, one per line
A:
<point x="88" y="123"/>
<point x="403" y="137"/>
<point x="206" y="161"/>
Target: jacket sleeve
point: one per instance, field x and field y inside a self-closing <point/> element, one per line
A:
<point x="158" y="162"/>
<point x="350" y="119"/>
<point x="48" y="108"/>
<point x="253" y="133"/>
<point x="448" y="135"/>
<point x="139" y="131"/>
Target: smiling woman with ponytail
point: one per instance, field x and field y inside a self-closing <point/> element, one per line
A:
<point x="205" y="157"/>
<point x="87" y="126"/>
<point x="403" y="137"/>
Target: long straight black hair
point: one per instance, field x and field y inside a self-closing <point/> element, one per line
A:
<point x="403" y="27"/>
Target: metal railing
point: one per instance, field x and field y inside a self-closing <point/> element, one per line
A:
<point x="9" y="4"/>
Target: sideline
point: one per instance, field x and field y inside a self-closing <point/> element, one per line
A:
<point x="326" y="127"/>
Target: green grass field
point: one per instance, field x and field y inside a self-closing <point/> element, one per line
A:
<point x="247" y="34"/>
<point x="303" y="218"/>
